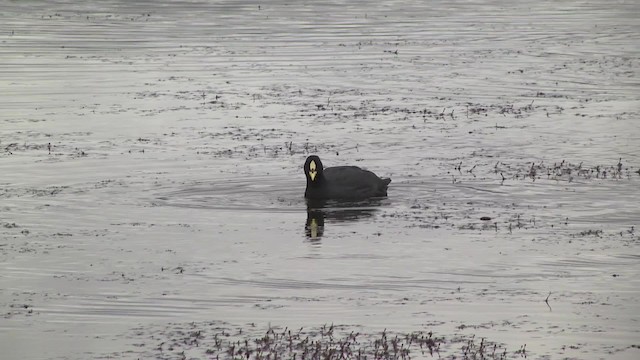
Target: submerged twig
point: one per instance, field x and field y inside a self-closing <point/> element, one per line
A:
<point x="547" y="301"/>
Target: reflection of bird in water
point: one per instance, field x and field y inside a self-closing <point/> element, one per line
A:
<point x="341" y="182"/>
<point x="314" y="228"/>
<point x="337" y="211"/>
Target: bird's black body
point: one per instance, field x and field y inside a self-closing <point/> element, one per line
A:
<point x="341" y="182"/>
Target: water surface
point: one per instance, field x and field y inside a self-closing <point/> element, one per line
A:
<point x="151" y="172"/>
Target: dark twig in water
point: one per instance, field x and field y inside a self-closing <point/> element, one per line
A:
<point x="523" y="351"/>
<point x="547" y="301"/>
<point x="471" y="170"/>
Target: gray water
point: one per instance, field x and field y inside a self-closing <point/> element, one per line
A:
<point x="172" y="190"/>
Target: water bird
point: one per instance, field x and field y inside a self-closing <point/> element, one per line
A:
<point x="341" y="182"/>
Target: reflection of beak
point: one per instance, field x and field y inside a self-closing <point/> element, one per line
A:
<point x="314" y="228"/>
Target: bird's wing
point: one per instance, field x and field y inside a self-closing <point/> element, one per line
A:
<point x="352" y="181"/>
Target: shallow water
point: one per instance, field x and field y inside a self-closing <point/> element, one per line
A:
<point x="172" y="190"/>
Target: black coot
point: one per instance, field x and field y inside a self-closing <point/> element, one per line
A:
<point x="341" y="182"/>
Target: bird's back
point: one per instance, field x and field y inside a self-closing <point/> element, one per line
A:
<point x="353" y="182"/>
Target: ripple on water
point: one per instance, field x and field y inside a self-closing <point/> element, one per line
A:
<point x="274" y="194"/>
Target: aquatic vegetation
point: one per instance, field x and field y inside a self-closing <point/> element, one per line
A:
<point x="213" y="340"/>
